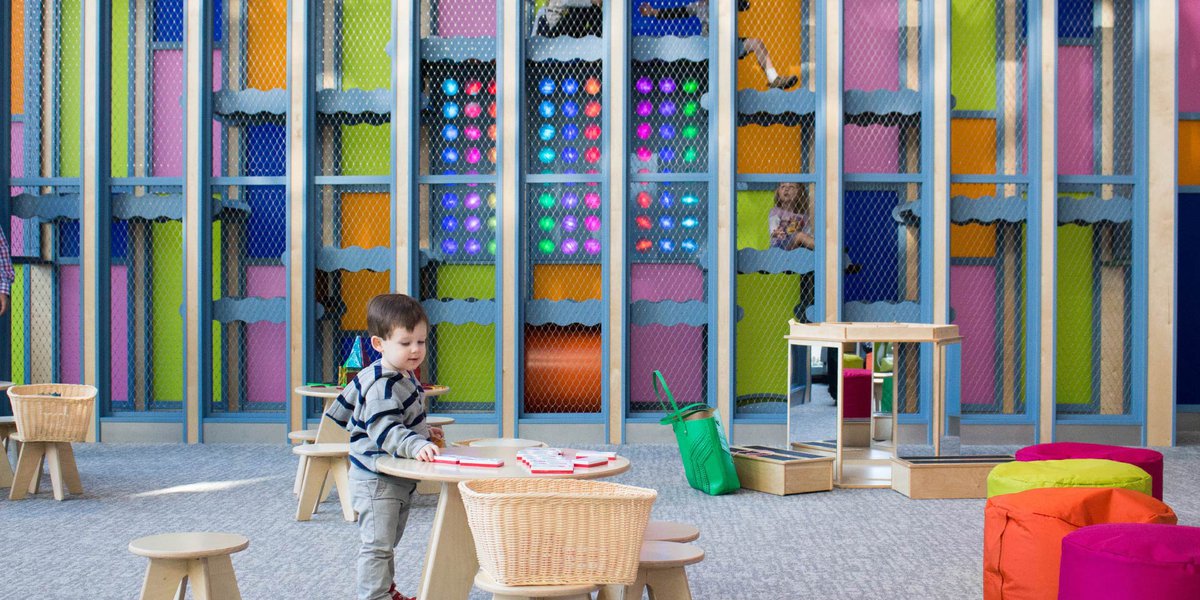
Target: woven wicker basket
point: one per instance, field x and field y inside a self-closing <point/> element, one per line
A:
<point x="557" y="531"/>
<point x="44" y="417"/>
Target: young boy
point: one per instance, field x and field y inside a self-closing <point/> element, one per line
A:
<point x="384" y="410"/>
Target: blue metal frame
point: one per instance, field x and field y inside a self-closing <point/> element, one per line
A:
<point x="103" y="217"/>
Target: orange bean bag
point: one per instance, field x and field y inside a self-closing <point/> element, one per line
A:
<point x="1023" y="532"/>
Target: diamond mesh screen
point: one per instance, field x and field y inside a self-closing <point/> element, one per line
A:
<point x="1095" y="235"/>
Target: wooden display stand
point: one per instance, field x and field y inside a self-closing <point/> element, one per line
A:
<point x="943" y="477"/>
<point x="782" y="472"/>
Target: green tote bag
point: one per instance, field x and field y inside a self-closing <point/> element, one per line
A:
<point x="706" y="459"/>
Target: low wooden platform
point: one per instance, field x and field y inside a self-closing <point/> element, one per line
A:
<point x="944" y="477"/>
<point x="782" y="472"/>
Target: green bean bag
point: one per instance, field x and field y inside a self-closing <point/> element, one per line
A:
<point x="1013" y="477"/>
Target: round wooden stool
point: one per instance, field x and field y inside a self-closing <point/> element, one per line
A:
<point x="485" y="582"/>
<point x="323" y="462"/>
<point x="199" y="558"/>
<point x="303" y="436"/>
<point x="661" y="569"/>
<point x="8" y="426"/>
<point x="58" y="456"/>
<point x="671" y="531"/>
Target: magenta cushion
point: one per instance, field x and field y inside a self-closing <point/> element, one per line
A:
<point x="1119" y="561"/>
<point x="1150" y="461"/>
<point x="856" y="393"/>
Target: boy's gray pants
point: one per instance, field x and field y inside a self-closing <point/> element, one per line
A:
<point x="382" y="505"/>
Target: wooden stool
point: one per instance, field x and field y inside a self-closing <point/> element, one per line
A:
<point x="8" y="426"/>
<point x="671" y="531"/>
<point x="322" y="462"/>
<point x="661" y="570"/>
<point x="201" y="558"/>
<point x="59" y="457"/>
<point x="304" y="436"/>
<point x="485" y="582"/>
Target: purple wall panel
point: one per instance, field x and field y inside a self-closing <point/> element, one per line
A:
<point x="677" y="351"/>
<point x="1076" y="146"/>
<point x="467" y="18"/>
<point x="70" y="344"/>
<point x="872" y="45"/>
<point x="973" y="299"/>
<point x="1189" y="56"/>
<point x="871" y="149"/>
<point x="119" y="359"/>
<point x="266" y="342"/>
<point x="167" y="148"/>
<point x="665" y="282"/>
<point x="16" y="162"/>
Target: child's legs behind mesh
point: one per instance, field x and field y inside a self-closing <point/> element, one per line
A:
<point x="382" y="505"/>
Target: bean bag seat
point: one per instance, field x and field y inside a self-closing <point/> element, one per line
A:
<point x="1023" y="532"/>
<point x="1012" y="477"/>
<point x="1131" y="561"/>
<point x="856" y="398"/>
<point x="1150" y="461"/>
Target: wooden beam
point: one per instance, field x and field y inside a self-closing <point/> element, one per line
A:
<point x="195" y="228"/>
<point x="1046" y="139"/>
<point x="298" y="222"/>
<point x="833" y="160"/>
<point x="725" y="198"/>
<point x="510" y="195"/>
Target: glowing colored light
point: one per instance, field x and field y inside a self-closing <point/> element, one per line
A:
<point x="591" y="200"/>
<point x="691" y="131"/>
<point x="592" y="223"/>
<point x="666" y="222"/>
<point x="570" y="200"/>
<point x="689" y="109"/>
<point x="643" y="130"/>
<point x="449" y="155"/>
<point x="492" y="200"/>
<point x="450" y="110"/>
<point x="472" y="224"/>
<point x="689" y="222"/>
<point x="570" y="246"/>
<point x="666" y="131"/>
<point x="666" y="154"/>
<point x="546" y="200"/>
<point x="449" y="133"/>
<point x="689" y="155"/>
<point x="666" y="85"/>
<point x="570" y="155"/>
<point x="592" y="246"/>
<point x="492" y="110"/>
<point x="492" y="155"/>
<point x="546" y="132"/>
<point x="592" y="110"/>
<point x="546" y="86"/>
<point x="644" y="199"/>
<point x="449" y="246"/>
<point x="667" y="108"/>
<point x="592" y="155"/>
<point x="644" y="85"/>
<point x="690" y="200"/>
<point x="450" y="87"/>
<point x="546" y="223"/>
<point x="644" y="154"/>
<point x="691" y="86"/>
<point x="592" y="87"/>
<point x="570" y="223"/>
<point x="592" y="132"/>
<point x="491" y="223"/>
<point x="474" y="87"/>
<point x="570" y="109"/>
<point x="472" y="110"/>
<point x="667" y="199"/>
<point x="471" y="132"/>
<point x="643" y="222"/>
<point x="546" y="109"/>
<point x="547" y="155"/>
<point x="449" y="201"/>
<point x="666" y="245"/>
<point x="449" y="223"/>
<point x="645" y="108"/>
<point x="643" y="245"/>
<point x="688" y="245"/>
<point x="491" y="246"/>
<point x="570" y="86"/>
<point x="492" y="87"/>
<point x="472" y="201"/>
<point x="546" y="246"/>
<point x="570" y="131"/>
<point x="472" y="246"/>
<point x="473" y="155"/>
<point x="492" y="131"/>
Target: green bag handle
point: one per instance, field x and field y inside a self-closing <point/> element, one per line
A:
<point x="675" y="413"/>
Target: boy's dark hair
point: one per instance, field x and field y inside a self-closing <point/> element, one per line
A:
<point x="386" y="312"/>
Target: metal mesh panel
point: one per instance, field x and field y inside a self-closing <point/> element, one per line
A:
<point x="249" y="217"/>
<point x="146" y="251"/>
<point x="1094" y="310"/>
<point x="988" y="266"/>
<point x="46" y="110"/>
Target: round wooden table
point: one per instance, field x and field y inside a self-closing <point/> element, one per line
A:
<point x="318" y="391"/>
<point x="450" y="561"/>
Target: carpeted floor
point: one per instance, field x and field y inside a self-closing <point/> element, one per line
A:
<point x="841" y="544"/>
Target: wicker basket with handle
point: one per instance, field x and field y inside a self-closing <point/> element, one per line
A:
<point x="53" y="412"/>
<point x="532" y="531"/>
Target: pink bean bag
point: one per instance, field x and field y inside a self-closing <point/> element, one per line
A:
<point x="856" y="394"/>
<point x="1131" y="561"/>
<point x="1150" y="461"/>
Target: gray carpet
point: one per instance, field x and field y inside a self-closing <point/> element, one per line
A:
<point x="841" y="544"/>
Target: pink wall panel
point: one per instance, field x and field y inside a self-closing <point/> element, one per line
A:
<point x="216" y="128"/>
<point x="665" y="282"/>
<point x="167" y="149"/>
<point x="70" y="344"/>
<point x="1076" y="147"/>
<point x="1189" y="56"/>
<point x="872" y="45"/>
<point x="16" y="237"/>
<point x="871" y="149"/>
<point x="266" y="342"/>
<point x="119" y="307"/>
<point x="467" y="18"/>
<point x="973" y="298"/>
<point x="677" y="351"/>
<point x="16" y="146"/>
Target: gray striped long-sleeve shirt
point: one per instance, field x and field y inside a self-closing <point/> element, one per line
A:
<point x="384" y="411"/>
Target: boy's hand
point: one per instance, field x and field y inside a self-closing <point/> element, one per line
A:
<point x="647" y="10"/>
<point x="437" y="436"/>
<point x="427" y="453"/>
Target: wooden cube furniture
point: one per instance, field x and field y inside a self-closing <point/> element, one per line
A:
<point x="782" y="472"/>
<point x="671" y="531"/>
<point x="660" y="569"/>
<point x="322" y="462"/>
<point x="57" y="455"/>
<point x="201" y="559"/>
<point x="499" y="591"/>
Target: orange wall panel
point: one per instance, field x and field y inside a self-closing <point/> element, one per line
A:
<point x="566" y="282"/>
<point x="772" y="149"/>
<point x="266" y="44"/>
<point x="1189" y="153"/>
